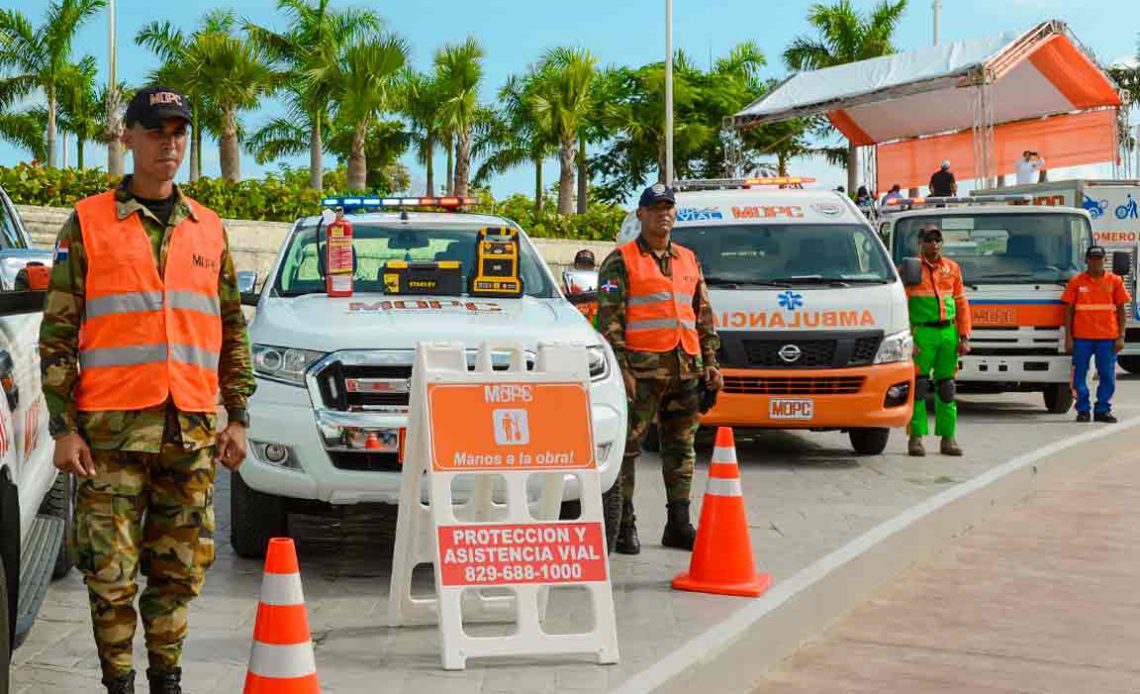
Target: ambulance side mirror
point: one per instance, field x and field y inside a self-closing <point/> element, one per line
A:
<point x="1121" y="264"/>
<point x="247" y="286"/>
<point x="910" y="270"/>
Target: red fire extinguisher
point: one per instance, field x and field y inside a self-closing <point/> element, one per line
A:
<point x="338" y="265"/>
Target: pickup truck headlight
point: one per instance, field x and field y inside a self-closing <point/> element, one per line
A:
<point x="599" y="366"/>
<point x="896" y="347"/>
<point x="284" y="364"/>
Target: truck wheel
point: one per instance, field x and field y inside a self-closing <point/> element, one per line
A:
<point x="1130" y="363"/>
<point x="652" y="442"/>
<point x="1058" y="398"/>
<point x="869" y="441"/>
<point x="611" y="508"/>
<point x="5" y="631"/>
<point x="60" y="503"/>
<point x="255" y="518"/>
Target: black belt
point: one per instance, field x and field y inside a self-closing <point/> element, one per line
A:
<point x="934" y="324"/>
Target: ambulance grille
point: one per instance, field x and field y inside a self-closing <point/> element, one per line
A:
<point x="827" y="385"/>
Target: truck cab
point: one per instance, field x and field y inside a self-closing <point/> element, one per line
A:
<point x="1016" y="260"/>
<point x="329" y="416"/>
<point x="35" y="501"/>
<point x="810" y="311"/>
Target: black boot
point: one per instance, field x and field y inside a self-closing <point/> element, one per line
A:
<point x="627" y="541"/>
<point x="167" y="682"/>
<point x="679" y="532"/>
<point x="124" y="684"/>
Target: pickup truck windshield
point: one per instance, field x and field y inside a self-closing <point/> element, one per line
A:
<point x="1009" y="248"/>
<point x="375" y="244"/>
<point x="787" y="254"/>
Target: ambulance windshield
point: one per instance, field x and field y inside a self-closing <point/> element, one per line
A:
<point x="374" y="245"/>
<point x="787" y="254"/>
<point x="1004" y="248"/>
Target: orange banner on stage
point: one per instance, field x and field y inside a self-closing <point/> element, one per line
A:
<point x="510" y="426"/>
<point x="1065" y="140"/>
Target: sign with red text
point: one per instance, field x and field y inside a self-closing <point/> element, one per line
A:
<point x="490" y="555"/>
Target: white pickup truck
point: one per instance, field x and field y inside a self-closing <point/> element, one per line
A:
<point x="333" y="373"/>
<point x="35" y="502"/>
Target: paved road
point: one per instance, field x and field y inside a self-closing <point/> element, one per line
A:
<point x="806" y="496"/>
<point x="1041" y="599"/>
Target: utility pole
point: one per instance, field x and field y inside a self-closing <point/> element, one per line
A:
<point x="669" y="92"/>
<point x="114" y="149"/>
<point x="937" y="12"/>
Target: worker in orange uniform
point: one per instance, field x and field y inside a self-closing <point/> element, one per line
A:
<point x="1094" y="327"/>
<point x="940" y="322"/>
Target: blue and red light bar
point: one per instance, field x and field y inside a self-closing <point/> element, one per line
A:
<point x="373" y="202"/>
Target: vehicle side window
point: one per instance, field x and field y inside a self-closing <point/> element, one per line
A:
<point x="10" y="236"/>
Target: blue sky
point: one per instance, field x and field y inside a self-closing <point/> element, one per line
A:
<point x="515" y="32"/>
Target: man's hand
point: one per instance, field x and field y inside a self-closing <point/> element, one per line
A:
<point x="73" y="455"/>
<point x="963" y="346"/>
<point x="1119" y="345"/>
<point x="713" y="378"/>
<point x="231" y="446"/>
<point x="1068" y="343"/>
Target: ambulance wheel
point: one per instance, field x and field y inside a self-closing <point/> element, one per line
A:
<point x="611" y="508"/>
<point x="652" y="442"/>
<point x="255" y="518"/>
<point x="869" y="441"/>
<point x="1130" y="363"/>
<point x="1058" y="398"/>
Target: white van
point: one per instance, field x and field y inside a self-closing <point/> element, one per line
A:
<point x="810" y="311"/>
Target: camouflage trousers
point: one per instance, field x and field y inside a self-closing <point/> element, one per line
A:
<point x="675" y="404"/>
<point x="153" y="509"/>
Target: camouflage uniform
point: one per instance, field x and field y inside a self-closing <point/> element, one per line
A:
<point x="151" y="500"/>
<point x="668" y="384"/>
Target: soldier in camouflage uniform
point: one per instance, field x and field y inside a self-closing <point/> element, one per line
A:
<point x="146" y="488"/>
<point x="663" y="386"/>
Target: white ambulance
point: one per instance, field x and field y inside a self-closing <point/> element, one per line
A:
<point x="810" y="311"/>
<point x="334" y="373"/>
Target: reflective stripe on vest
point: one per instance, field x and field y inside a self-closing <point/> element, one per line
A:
<point x="146" y="338"/>
<point x="659" y="309"/>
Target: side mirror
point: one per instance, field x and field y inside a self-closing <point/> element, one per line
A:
<point x="34" y="276"/>
<point x="910" y="270"/>
<point x="580" y="281"/>
<point x="247" y="285"/>
<point x="19" y="302"/>
<point x="1121" y="264"/>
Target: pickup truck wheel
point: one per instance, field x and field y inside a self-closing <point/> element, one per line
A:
<point x="611" y="508"/>
<point x="869" y="441"/>
<point x="1130" y="363"/>
<point x="652" y="442"/>
<point x="255" y="518"/>
<point x="1058" y="398"/>
<point x="60" y="503"/>
<point x="5" y="631"/>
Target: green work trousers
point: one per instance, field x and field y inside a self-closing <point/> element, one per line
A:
<point x="935" y="358"/>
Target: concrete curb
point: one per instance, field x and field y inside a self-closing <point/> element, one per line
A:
<point x="734" y="655"/>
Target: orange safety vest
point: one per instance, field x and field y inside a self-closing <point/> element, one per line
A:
<point x="145" y="338"/>
<point x="659" y="309"/>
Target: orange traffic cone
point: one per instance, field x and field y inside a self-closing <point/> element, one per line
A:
<point x="281" y="660"/>
<point x="372" y="443"/>
<point x="722" y="555"/>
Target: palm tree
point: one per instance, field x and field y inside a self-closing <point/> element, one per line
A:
<point x="420" y="104"/>
<point x="26" y="131"/>
<point x="39" y="55"/>
<point x="363" y="87"/>
<point x="845" y="36"/>
<point x="316" y="37"/>
<point x="82" y="106"/>
<point x="459" y="69"/>
<point x="560" y="102"/>
<point x="512" y="136"/>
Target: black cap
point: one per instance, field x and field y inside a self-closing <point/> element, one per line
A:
<point x="584" y="257"/>
<point x="151" y="107"/>
<point x="928" y="232"/>
<point x="1095" y="252"/>
<point x="655" y="194"/>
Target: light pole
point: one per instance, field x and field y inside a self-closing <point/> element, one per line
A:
<point x="114" y="149"/>
<point x="937" y="12"/>
<point x="669" y="92"/>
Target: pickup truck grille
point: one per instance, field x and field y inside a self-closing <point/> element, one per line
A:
<point x="829" y="385"/>
<point x="367" y="462"/>
<point x="364" y="386"/>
